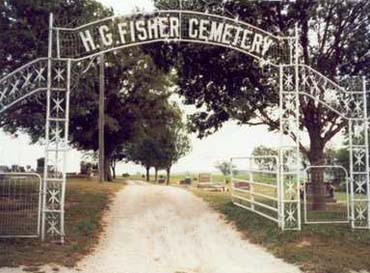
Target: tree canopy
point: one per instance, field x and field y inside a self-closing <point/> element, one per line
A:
<point x="135" y="86"/>
<point x="161" y="144"/>
<point x="24" y="26"/>
<point x="223" y="84"/>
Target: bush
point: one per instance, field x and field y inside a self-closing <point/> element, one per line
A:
<point x="126" y="175"/>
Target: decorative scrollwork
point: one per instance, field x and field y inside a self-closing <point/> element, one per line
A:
<point x="23" y="83"/>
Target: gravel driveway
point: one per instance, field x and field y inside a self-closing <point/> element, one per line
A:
<point x="159" y="229"/>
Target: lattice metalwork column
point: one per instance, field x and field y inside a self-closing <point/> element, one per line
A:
<point x="290" y="214"/>
<point x="56" y="136"/>
<point x="359" y="158"/>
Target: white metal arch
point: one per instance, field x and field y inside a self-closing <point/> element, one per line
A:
<point x="66" y="48"/>
<point x="283" y="44"/>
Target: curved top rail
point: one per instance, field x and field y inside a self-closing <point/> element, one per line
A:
<point x="19" y="69"/>
<point x="139" y="28"/>
<point x="236" y="21"/>
<point x="23" y="82"/>
<point x="334" y="84"/>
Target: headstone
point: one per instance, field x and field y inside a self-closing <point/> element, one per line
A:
<point x="205" y="178"/>
<point x="328" y="192"/>
<point x="40" y="165"/>
<point x="186" y="181"/>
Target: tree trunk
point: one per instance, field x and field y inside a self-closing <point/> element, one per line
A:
<point x="147" y="173"/>
<point x="113" y="166"/>
<point x="107" y="169"/>
<point x="156" y="175"/>
<point x="114" y="172"/>
<point x="317" y="158"/>
<point x="168" y="170"/>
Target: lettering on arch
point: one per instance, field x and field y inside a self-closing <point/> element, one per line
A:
<point x="117" y="32"/>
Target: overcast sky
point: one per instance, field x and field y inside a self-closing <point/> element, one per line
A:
<point x="231" y="140"/>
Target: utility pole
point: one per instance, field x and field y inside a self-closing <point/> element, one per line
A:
<point x="101" y="116"/>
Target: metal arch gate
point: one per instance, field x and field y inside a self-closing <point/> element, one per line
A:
<point x="286" y="48"/>
<point x="69" y="47"/>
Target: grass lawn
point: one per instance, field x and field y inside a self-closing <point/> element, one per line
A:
<point x="86" y="202"/>
<point x="317" y="248"/>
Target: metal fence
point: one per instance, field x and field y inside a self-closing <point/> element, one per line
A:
<point x="20" y="205"/>
<point x="255" y="185"/>
<point x="331" y="184"/>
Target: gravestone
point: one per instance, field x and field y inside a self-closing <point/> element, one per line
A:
<point x="205" y="178"/>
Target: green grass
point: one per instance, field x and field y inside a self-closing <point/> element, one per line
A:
<point x="86" y="202"/>
<point x="317" y="248"/>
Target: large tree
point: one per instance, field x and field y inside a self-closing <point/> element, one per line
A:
<point x="225" y="84"/>
<point x="174" y="144"/>
<point x="133" y="82"/>
<point x="133" y="96"/>
<point x="24" y="26"/>
<point x="160" y="144"/>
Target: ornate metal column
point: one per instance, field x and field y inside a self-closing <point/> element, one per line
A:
<point x="289" y="155"/>
<point x="290" y="212"/>
<point x="359" y="158"/>
<point x="56" y="143"/>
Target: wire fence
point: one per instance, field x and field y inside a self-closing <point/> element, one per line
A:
<point x="20" y="205"/>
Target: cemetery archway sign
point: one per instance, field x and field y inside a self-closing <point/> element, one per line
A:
<point x="68" y="47"/>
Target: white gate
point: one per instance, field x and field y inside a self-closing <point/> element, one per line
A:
<point x="335" y="207"/>
<point x="20" y="205"/>
<point x="255" y="185"/>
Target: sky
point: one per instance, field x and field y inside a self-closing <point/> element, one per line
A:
<point x="231" y="141"/>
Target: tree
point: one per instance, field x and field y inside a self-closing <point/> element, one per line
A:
<point x="223" y="167"/>
<point x="24" y="26"/>
<point x="263" y="157"/>
<point x="132" y="96"/>
<point x="87" y="168"/>
<point x="24" y="37"/>
<point x="132" y="80"/>
<point x="140" y="151"/>
<point x="145" y="148"/>
<point x="117" y="156"/>
<point x="215" y="78"/>
<point x="338" y="157"/>
<point x="132" y="84"/>
<point x="175" y="145"/>
<point x="162" y="143"/>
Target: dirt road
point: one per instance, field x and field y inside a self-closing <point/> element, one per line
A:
<point x="158" y="229"/>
